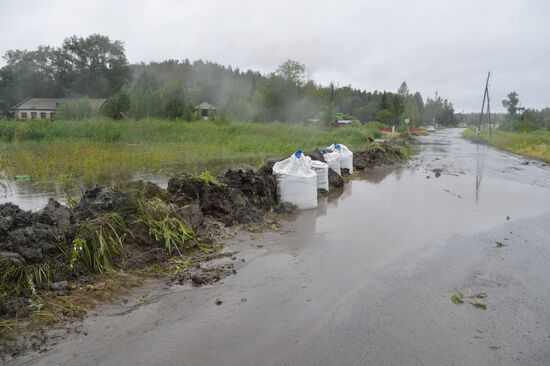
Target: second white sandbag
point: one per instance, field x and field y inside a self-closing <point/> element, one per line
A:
<point x="296" y="181"/>
<point x="322" y="173"/>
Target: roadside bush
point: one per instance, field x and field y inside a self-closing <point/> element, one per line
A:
<point x="525" y="126"/>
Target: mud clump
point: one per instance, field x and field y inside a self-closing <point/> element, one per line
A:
<point x="377" y="154"/>
<point x="101" y="199"/>
<point x="228" y="205"/>
<point x="240" y="197"/>
<point x="200" y="276"/>
<point x="316" y="155"/>
<point x="267" y="168"/>
<point x="259" y="188"/>
<point x="192" y="215"/>
<point x="285" y="208"/>
<point x="33" y="236"/>
<point x="334" y="179"/>
<point x="146" y="189"/>
<point x="185" y="189"/>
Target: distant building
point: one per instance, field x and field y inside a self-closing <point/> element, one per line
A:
<point x="206" y="109"/>
<point x="45" y="108"/>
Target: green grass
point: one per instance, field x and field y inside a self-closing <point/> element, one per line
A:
<point x="97" y="241"/>
<point x="457" y="299"/>
<point x="164" y="225"/>
<point x="534" y="144"/>
<point x="479" y="305"/>
<point x="17" y="277"/>
<point x="101" y="150"/>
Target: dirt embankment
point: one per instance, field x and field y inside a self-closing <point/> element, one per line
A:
<point x="58" y="249"/>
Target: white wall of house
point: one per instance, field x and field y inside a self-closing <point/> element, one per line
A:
<point x="39" y="114"/>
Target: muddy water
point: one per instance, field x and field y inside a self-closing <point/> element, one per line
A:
<point x="31" y="195"/>
<point x="365" y="278"/>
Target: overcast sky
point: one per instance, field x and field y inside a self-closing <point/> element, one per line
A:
<point x="440" y="45"/>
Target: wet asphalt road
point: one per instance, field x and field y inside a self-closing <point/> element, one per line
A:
<point x="365" y="279"/>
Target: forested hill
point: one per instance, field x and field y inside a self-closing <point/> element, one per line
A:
<point x="97" y="67"/>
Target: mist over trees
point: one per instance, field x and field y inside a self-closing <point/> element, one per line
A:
<point x="93" y="66"/>
<point x="96" y="66"/>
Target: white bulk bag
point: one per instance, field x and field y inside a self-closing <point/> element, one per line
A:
<point x="346" y="156"/>
<point x="322" y="173"/>
<point x="333" y="160"/>
<point x="296" y="181"/>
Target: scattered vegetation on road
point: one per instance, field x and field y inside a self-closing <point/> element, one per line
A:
<point x="474" y="298"/>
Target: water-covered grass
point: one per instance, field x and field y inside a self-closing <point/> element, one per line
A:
<point x="534" y="144"/>
<point x="99" y="149"/>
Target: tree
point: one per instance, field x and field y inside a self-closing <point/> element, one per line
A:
<point x="145" y="98"/>
<point x="117" y="105"/>
<point x="292" y="72"/>
<point x="328" y="115"/>
<point x="94" y="66"/>
<point x="175" y="105"/>
<point x="403" y="90"/>
<point x="98" y="66"/>
<point x="511" y="104"/>
<point x="384" y="112"/>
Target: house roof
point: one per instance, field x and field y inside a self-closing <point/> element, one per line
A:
<point x="52" y="103"/>
<point x="205" y="105"/>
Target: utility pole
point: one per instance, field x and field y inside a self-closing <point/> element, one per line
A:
<point x="485" y="96"/>
<point x="489" y="114"/>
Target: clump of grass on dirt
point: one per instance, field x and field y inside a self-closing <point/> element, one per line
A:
<point x="500" y="244"/>
<point x="97" y="241"/>
<point x="164" y="226"/>
<point x="56" y="308"/>
<point x="209" y="179"/>
<point x="16" y="277"/>
<point x="534" y="144"/>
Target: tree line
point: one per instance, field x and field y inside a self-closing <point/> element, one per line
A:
<point x="523" y="119"/>
<point x="96" y="66"/>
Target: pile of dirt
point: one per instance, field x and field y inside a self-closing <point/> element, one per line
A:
<point x="100" y="200"/>
<point x="30" y="238"/>
<point x="185" y="189"/>
<point x="146" y="189"/>
<point x="239" y="197"/>
<point x="335" y="180"/>
<point x="377" y="154"/>
<point x="316" y="155"/>
<point x="259" y="188"/>
<point x="267" y="168"/>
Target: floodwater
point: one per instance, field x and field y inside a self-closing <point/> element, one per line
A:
<point x="364" y="279"/>
<point x="33" y="196"/>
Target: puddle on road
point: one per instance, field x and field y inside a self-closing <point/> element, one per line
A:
<point x="391" y="212"/>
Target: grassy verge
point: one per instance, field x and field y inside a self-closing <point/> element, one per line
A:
<point x="97" y="149"/>
<point x="534" y="144"/>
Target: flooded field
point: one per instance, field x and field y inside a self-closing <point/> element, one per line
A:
<point x="33" y="196"/>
